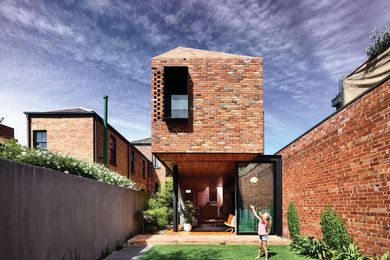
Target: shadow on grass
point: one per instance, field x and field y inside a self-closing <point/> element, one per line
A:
<point x="184" y="254"/>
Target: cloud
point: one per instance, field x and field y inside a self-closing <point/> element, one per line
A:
<point x="71" y="53"/>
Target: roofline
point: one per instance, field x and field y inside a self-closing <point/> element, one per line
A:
<point x="228" y="55"/>
<point x="52" y="113"/>
<point x="141" y="144"/>
<point x="336" y="112"/>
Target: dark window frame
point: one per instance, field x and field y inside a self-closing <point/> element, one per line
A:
<point x="113" y="150"/>
<point x="171" y="88"/>
<point x="143" y="168"/>
<point x="35" y="142"/>
<point x="149" y="169"/>
<point x="132" y="163"/>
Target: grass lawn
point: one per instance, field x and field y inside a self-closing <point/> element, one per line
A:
<point x="240" y="252"/>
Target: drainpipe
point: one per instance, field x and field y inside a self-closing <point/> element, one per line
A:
<point x="105" y="130"/>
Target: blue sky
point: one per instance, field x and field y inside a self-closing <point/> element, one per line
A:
<point x="64" y="54"/>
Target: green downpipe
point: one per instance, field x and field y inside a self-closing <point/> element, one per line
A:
<point x="105" y="130"/>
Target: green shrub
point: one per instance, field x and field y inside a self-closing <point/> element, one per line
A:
<point x="350" y="252"/>
<point x="118" y="246"/>
<point x="335" y="233"/>
<point x="293" y="220"/>
<point x="160" y="206"/>
<point x="188" y="211"/>
<point x="380" y="41"/>
<point x="39" y="157"/>
<point x="385" y="256"/>
<point x="309" y="246"/>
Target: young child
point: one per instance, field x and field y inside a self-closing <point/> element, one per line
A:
<point x="262" y="231"/>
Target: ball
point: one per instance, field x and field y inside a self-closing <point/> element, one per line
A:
<point x="254" y="180"/>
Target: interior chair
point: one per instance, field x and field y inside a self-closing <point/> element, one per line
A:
<point x="231" y="223"/>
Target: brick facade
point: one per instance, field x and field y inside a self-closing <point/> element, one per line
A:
<point x="344" y="162"/>
<point x="6" y="133"/>
<point x="67" y="135"/>
<point x="146" y="150"/>
<point x="73" y="135"/>
<point x="225" y="104"/>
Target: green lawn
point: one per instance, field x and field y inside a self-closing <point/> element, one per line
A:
<point x="240" y="252"/>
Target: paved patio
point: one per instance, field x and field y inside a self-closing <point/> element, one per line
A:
<point x="201" y="238"/>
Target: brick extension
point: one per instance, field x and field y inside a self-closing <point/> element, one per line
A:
<point x="344" y="162"/>
<point x="225" y="100"/>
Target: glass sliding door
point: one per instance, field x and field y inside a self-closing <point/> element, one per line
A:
<point x="255" y="186"/>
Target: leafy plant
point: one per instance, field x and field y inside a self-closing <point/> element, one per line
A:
<point x="160" y="206"/>
<point x="385" y="256"/>
<point x="350" y="252"/>
<point x="71" y="256"/>
<point x="118" y="246"/>
<point x="188" y="211"/>
<point x="104" y="253"/>
<point x="309" y="246"/>
<point x="380" y="41"/>
<point x="335" y="233"/>
<point x="293" y="220"/>
<point x="39" y="157"/>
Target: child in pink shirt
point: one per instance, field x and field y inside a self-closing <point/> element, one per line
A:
<point x="262" y="231"/>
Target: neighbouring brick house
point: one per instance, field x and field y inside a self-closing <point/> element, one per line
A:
<point x="145" y="147"/>
<point x="79" y="133"/>
<point x="6" y="133"/>
<point x="207" y="124"/>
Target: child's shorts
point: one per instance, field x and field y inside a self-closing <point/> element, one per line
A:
<point x="263" y="237"/>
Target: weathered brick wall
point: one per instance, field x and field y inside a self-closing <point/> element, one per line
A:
<point x="260" y="194"/>
<point x="225" y="100"/>
<point x="123" y="157"/>
<point x="147" y="182"/>
<point x="160" y="173"/>
<point x="67" y="135"/>
<point x="344" y="162"/>
<point x="122" y="162"/>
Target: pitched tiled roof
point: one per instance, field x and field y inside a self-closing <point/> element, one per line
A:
<point x="182" y="52"/>
<point x="145" y="141"/>
<point x="76" y="110"/>
<point x="72" y="110"/>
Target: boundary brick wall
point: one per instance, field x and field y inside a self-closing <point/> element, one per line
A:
<point x="54" y="215"/>
<point x="225" y="104"/>
<point x="344" y="162"/>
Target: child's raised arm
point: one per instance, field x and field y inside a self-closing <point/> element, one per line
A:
<point x="254" y="212"/>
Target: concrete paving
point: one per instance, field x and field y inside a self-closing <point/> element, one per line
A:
<point x="127" y="253"/>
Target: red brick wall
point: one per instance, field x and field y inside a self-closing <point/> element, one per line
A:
<point x="345" y="162"/>
<point x="147" y="182"/>
<point x="122" y="162"/>
<point x="261" y="193"/>
<point x="124" y="158"/>
<point x="71" y="136"/>
<point x="146" y="150"/>
<point x="225" y="100"/>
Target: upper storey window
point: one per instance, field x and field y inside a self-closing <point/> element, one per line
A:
<point x="175" y="93"/>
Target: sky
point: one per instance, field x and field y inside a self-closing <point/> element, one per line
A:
<point x="63" y="54"/>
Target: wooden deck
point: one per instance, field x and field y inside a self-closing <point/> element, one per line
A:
<point x="170" y="237"/>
